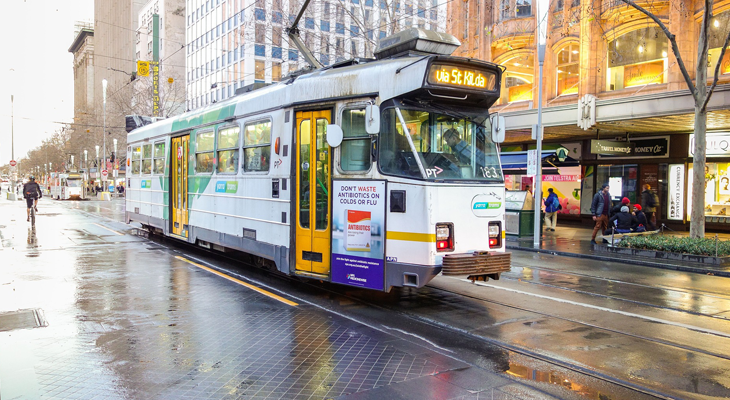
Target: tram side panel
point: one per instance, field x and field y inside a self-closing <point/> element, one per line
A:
<point x="246" y="211"/>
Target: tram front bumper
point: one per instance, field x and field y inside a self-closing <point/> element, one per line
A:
<point x="479" y="263"/>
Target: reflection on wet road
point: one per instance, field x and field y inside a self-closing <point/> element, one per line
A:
<point x="132" y="319"/>
<point x="566" y="328"/>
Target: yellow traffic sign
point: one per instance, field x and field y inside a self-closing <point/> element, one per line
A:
<point x="143" y="68"/>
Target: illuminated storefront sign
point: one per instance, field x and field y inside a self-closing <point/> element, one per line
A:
<point x="643" y="74"/>
<point x="718" y="144"/>
<point x="451" y="75"/>
<point x="653" y="147"/>
<point x="675" y="205"/>
<point x="520" y="92"/>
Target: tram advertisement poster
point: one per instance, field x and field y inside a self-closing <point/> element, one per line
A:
<point x="358" y="242"/>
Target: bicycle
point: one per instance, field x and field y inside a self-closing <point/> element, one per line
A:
<point x="32" y="214"/>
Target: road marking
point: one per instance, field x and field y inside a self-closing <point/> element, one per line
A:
<point x="628" y="314"/>
<point x="240" y="282"/>
<point x="110" y="230"/>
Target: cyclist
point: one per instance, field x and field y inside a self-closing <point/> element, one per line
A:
<point x="31" y="193"/>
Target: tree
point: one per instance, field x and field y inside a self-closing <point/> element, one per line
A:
<point x="701" y="95"/>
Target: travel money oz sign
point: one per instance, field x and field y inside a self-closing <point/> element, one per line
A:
<point x="652" y="147"/>
<point x="358" y="229"/>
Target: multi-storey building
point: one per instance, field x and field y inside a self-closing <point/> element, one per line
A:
<point x="613" y="96"/>
<point x="171" y="14"/>
<point x="82" y="49"/>
<point x="234" y="43"/>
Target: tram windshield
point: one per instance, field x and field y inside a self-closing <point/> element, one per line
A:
<point x="73" y="182"/>
<point x="448" y="147"/>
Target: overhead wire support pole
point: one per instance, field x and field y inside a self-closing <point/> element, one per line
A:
<point x="542" y="9"/>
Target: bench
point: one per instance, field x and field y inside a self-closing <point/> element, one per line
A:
<point x="617" y="236"/>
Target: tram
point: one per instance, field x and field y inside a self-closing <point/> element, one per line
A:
<point x="71" y="185"/>
<point x="373" y="173"/>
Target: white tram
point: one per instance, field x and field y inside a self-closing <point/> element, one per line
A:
<point x="366" y="173"/>
<point x="71" y="185"/>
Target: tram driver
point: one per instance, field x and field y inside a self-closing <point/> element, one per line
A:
<point x="463" y="152"/>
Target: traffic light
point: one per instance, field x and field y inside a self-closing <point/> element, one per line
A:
<point x="112" y="158"/>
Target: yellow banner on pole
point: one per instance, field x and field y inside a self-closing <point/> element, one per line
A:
<point x="155" y="89"/>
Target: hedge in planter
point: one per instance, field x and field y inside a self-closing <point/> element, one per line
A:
<point x="687" y="245"/>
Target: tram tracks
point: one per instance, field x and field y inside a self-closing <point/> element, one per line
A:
<point x="359" y="309"/>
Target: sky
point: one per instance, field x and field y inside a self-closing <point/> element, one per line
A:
<point x="37" y="69"/>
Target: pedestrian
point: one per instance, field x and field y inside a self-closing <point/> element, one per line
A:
<point x="649" y="203"/>
<point x="528" y="190"/>
<point x="552" y="205"/>
<point x="600" y="207"/>
<point x="625" y="221"/>
<point x="644" y="223"/>
<point x="615" y="210"/>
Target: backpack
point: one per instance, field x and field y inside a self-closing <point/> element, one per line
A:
<point x="652" y="199"/>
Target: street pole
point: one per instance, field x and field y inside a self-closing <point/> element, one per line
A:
<point x="103" y="89"/>
<point x="14" y="174"/>
<point x="542" y="10"/>
<point x="86" y="160"/>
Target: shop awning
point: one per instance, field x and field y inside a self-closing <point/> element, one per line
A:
<point x="516" y="162"/>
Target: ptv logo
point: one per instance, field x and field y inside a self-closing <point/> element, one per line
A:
<point x="433" y="172"/>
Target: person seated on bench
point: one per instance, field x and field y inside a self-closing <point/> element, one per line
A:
<point x="625" y="221"/>
<point x="644" y="223"/>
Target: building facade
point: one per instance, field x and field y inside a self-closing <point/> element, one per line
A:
<point x="613" y="94"/>
<point x="235" y="43"/>
<point x="82" y="49"/>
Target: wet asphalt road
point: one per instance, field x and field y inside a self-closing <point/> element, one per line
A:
<point x="567" y="328"/>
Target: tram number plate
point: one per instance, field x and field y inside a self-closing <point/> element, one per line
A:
<point x="311" y="256"/>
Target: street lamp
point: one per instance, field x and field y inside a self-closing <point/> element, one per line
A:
<point x="97" y="155"/>
<point x="103" y="90"/>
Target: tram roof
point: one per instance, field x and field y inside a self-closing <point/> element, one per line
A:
<point x="384" y="78"/>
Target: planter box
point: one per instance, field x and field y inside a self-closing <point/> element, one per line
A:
<point x="665" y="255"/>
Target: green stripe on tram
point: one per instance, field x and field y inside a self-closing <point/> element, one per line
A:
<point x="204" y="117"/>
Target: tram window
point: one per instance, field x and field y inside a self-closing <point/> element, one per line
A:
<point x="136" y="159"/>
<point x="228" y="150"/>
<point x="147" y="159"/>
<point x="448" y="147"/>
<point x="204" y="152"/>
<point x="257" y="146"/>
<point x="159" y="165"/>
<point x="355" y="150"/>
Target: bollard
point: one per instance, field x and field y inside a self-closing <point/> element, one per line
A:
<point x="716" y="243"/>
<point x="613" y="231"/>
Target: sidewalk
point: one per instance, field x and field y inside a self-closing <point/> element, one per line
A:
<point x="572" y="240"/>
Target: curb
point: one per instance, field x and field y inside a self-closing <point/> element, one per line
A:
<point x="696" y="270"/>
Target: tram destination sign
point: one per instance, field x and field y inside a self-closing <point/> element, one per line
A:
<point x="450" y="75"/>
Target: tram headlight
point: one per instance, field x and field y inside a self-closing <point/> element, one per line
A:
<point x="444" y="237"/>
<point x="495" y="234"/>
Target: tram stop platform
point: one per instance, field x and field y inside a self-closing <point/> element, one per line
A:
<point x="90" y="311"/>
<point x="573" y="240"/>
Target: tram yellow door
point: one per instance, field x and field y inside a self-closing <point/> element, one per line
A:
<point x="179" y="185"/>
<point x="313" y="192"/>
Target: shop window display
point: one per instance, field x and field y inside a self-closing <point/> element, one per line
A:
<point x="623" y="181"/>
<point x="718" y="31"/>
<point x="567" y="70"/>
<point x="637" y="58"/>
<point x="717" y="192"/>
<point x="518" y="77"/>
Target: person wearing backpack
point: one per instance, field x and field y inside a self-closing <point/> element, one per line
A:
<point x="552" y="206"/>
<point x="649" y="203"/>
